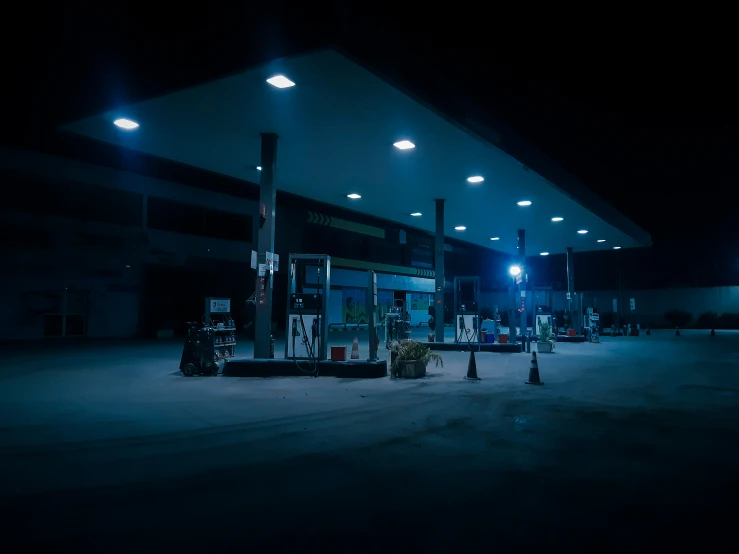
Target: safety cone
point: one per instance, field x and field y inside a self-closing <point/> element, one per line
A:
<point x="713" y="332"/>
<point x="355" y="349"/>
<point x="534" y="372"/>
<point x="472" y="368"/>
<point x="648" y="332"/>
<point x="677" y="331"/>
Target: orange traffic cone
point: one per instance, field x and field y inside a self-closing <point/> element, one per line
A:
<point x="534" y="372"/>
<point x="355" y="349"/>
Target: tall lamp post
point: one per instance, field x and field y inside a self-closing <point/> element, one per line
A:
<point x="515" y="271"/>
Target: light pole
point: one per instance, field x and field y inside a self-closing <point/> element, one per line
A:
<point x="515" y="272"/>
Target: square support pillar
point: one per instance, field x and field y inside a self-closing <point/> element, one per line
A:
<point x="439" y="271"/>
<point x="571" y="287"/>
<point x="265" y="243"/>
<point x="524" y="280"/>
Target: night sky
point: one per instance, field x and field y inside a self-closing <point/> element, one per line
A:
<point x="643" y="112"/>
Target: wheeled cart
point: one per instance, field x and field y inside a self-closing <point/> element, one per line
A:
<point x="210" y="342"/>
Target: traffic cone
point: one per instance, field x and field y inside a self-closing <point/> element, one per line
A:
<point x="534" y="372"/>
<point x="355" y="349"/>
<point x="472" y="368"/>
<point x="713" y="332"/>
<point x="677" y="331"/>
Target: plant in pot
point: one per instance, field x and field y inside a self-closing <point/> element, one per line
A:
<point x="410" y="358"/>
<point x="546" y="339"/>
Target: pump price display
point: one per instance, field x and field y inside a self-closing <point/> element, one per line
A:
<point x="307" y="302"/>
<point x="220" y="306"/>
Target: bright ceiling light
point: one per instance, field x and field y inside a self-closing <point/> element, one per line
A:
<point x="514" y="270"/>
<point x="601" y="240"/>
<point x="460" y="228"/>
<point x="558" y="219"/>
<point x="126" y="124"/>
<point x="259" y="168"/>
<point x="280" y="81"/>
<point x="404" y="145"/>
<point x="525" y="203"/>
<point x="416" y="214"/>
<point x="543" y="253"/>
<point x="494" y="238"/>
<point x="617" y="248"/>
<point x="475" y="179"/>
<point x="582" y="232"/>
<point x="354" y="196"/>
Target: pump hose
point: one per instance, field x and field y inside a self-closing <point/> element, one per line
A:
<point x="308" y="346"/>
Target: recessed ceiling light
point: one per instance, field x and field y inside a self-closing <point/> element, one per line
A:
<point x="544" y="254"/>
<point x="582" y="232"/>
<point x="460" y="228"/>
<point x="280" y="81"/>
<point x="525" y="203"/>
<point x="416" y="214"/>
<point x="475" y="179"/>
<point x="494" y="238"/>
<point x="128" y="265"/>
<point x="557" y="219"/>
<point x="404" y="145"/>
<point x="617" y="248"/>
<point x="126" y="124"/>
<point x="601" y="240"/>
<point x="354" y="196"/>
<point x="259" y="168"/>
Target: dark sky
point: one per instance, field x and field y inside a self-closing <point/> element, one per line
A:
<point x="642" y="110"/>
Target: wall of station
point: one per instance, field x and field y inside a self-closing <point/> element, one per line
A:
<point x="123" y="254"/>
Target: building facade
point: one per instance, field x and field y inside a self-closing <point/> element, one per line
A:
<point x="99" y="252"/>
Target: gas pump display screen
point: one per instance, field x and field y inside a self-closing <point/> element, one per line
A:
<point x="470" y="307"/>
<point x="308" y="302"/>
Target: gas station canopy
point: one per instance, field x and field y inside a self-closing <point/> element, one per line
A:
<point x="350" y="139"/>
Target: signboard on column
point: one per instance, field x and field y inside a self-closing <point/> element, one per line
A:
<point x="632" y="303"/>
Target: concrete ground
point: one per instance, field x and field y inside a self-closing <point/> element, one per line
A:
<point x="631" y="443"/>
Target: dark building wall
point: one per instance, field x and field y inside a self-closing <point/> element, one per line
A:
<point x="79" y="253"/>
<point x="310" y="227"/>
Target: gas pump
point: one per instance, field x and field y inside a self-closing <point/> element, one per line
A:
<point x="592" y="324"/>
<point x="466" y="310"/>
<point x="397" y="323"/>
<point x="496" y="326"/>
<point x="543" y="314"/>
<point x="307" y="324"/>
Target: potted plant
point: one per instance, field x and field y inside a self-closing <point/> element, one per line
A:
<point x="410" y="358"/>
<point x="546" y="339"/>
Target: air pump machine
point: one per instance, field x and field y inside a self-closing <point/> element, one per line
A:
<point x="466" y="310"/>
<point x="307" y="300"/>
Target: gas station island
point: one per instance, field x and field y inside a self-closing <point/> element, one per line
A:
<point x="348" y="138"/>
